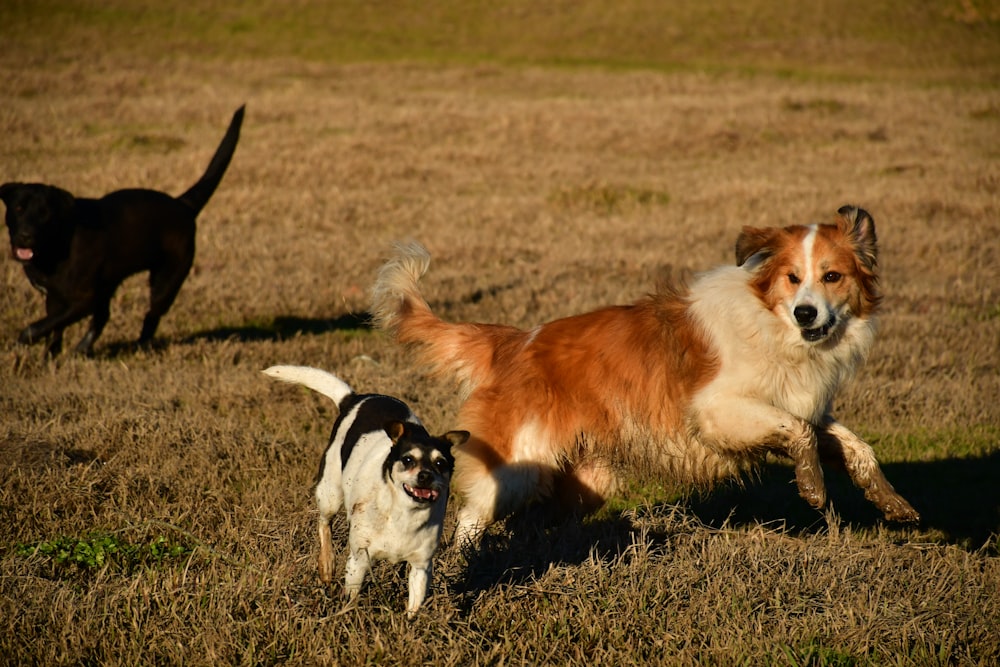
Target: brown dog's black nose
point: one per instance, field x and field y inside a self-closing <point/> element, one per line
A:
<point x="805" y="315"/>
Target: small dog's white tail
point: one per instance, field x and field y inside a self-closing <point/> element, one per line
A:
<point x="325" y="383"/>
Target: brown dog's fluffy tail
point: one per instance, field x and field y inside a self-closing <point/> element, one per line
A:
<point x="465" y="351"/>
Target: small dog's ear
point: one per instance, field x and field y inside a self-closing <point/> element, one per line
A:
<point x="456" y="438"/>
<point x="858" y="224"/>
<point x="395" y="430"/>
<point x="753" y="241"/>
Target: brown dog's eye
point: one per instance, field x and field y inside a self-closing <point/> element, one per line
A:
<point x="407" y="461"/>
<point x="832" y="277"/>
<point x="794" y="279"/>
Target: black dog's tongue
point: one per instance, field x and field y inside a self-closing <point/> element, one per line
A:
<point x="23" y="254"/>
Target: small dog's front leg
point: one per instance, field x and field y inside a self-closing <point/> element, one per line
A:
<point x="325" y="550"/>
<point x="419" y="584"/>
<point x="358" y="565"/>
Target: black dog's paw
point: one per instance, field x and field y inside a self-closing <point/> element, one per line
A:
<point x="29" y="336"/>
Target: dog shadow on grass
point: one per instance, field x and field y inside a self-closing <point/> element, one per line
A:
<point x="285" y="327"/>
<point x="958" y="499"/>
<point x="523" y="551"/>
<point x="277" y="329"/>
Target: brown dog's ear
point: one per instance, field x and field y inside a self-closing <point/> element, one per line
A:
<point x="858" y="224"/>
<point x="753" y="241"/>
<point x="395" y="430"/>
<point x="456" y="438"/>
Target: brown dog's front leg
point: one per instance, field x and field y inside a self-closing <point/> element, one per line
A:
<point x="842" y="446"/>
<point x="741" y="426"/>
<point x="803" y="450"/>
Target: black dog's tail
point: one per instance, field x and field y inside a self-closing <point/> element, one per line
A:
<point x="197" y="196"/>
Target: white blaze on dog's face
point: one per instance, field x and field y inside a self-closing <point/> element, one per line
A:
<point x="814" y="277"/>
<point x="420" y="465"/>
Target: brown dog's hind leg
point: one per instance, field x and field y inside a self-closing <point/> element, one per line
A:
<point x="491" y="487"/>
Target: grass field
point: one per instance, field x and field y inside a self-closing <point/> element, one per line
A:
<point x="155" y="505"/>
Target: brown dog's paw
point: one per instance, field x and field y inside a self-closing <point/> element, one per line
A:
<point x="810" y="483"/>
<point x="901" y="512"/>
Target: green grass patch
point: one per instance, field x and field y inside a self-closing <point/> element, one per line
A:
<point x="636" y="493"/>
<point x="857" y="38"/>
<point x="958" y="442"/>
<point x="101" y="549"/>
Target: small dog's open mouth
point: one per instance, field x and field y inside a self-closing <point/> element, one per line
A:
<point x="421" y="495"/>
<point x="23" y="254"/>
<point x="819" y="333"/>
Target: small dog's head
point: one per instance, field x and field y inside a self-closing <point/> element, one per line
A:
<point x="420" y="464"/>
<point x="815" y="277"/>
<point x="37" y="217"/>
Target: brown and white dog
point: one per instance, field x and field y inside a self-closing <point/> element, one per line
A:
<point x="697" y="383"/>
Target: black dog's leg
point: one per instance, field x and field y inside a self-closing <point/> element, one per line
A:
<point x="55" y="343"/>
<point x="164" y="284"/>
<point x="149" y="325"/>
<point x="102" y="313"/>
<point x="58" y="316"/>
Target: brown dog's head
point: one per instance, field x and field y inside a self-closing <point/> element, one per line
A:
<point x="39" y="219"/>
<point x="815" y="277"/>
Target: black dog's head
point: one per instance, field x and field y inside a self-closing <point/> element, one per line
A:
<point x="419" y="463"/>
<point x="39" y="218"/>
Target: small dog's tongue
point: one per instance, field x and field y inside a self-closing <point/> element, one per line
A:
<point x="24" y="254"/>
<point x="423" y="494"/>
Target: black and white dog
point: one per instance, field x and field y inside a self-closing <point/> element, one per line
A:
<point x="388" y="473"/>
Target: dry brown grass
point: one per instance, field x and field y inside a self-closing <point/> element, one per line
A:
<point x="540" y="192"/>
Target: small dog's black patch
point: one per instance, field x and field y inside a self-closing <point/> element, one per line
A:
<point x="376" y="412"/>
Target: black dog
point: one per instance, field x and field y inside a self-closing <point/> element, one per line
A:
<point x="78" y="251"/>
